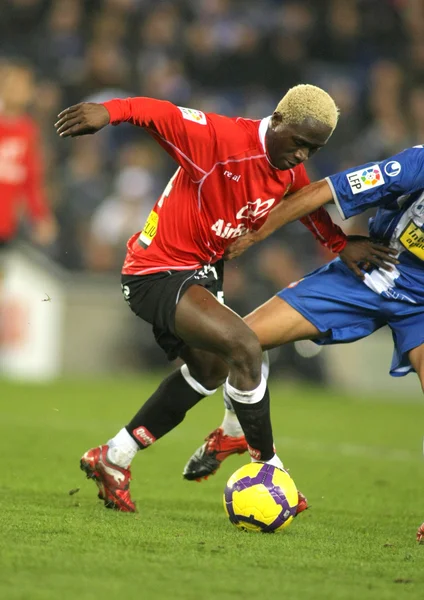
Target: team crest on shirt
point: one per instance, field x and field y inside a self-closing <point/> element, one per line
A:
<point x="392" y="168"/>
<point x="365" y="179"/>
<point x="255" y="210"/>
<point x="191" y="114"/>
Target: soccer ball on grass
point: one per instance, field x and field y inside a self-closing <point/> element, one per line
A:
<point x="260" y="497"/>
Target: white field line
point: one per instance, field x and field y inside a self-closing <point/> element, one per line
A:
<point x="351" y="450"/>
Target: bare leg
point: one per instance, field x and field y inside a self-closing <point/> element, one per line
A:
<point x="276" y="323"/>
<point x="205" y="324"/>
<point x="416" y="356"/>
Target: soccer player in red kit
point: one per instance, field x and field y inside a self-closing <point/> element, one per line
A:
<point x="231" y="172"/>
<point x="21" y="179"/>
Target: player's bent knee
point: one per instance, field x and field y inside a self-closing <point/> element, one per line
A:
<point x="245" y="354"/>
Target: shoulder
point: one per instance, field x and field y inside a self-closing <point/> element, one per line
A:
<point x="249" y="127"/>
<point x="406" y="166"/>
<point x="407" y="157"/>
<point x="239" y="125"/>
<point x="235" y="135"/>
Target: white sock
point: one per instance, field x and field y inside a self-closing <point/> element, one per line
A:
<point x="265" y="364"/>
<point x="122" y="449"/>
<point x="265" y="373"/>
<point x="231" y="425"/>
<point x="197" y="387"/>
<point x="246" y="396"/>
<point x="274" y="461"/>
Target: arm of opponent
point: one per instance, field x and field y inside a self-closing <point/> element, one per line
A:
<point x="318" y="222"/>
<point x="310" y="200"/>
<point x="353" y="191"/>
<point x="188" y="135"/>
<point x="306" y="200"/>
<point x="378" y="184"/>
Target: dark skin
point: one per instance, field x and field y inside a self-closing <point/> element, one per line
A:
<point x="290" y="145"/>
<point x="214" y="334"/>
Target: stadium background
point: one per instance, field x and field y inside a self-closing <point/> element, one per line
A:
<point x="75" y="363"/>
<point x="227" y="56"/>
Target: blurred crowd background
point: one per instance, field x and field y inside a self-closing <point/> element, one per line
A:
<point x="235" y="57"/>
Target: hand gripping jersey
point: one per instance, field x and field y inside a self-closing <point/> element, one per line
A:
<point x="396" y="187"/>
<point x="224" y="187"/>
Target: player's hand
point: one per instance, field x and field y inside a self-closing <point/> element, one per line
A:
<point x="240" y="245"/>
<point x="82" y="119"/>
<point x="362" y="251"/>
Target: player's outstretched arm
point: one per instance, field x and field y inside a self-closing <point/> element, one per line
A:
<point x="82" y="119"/>
<point x="290" y="208"/>
<point x="186" y="134"/>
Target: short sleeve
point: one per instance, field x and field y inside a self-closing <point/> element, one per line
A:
<point x="378" y="184"/>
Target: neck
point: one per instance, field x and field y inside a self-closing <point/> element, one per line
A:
<point x="265" y="144"/>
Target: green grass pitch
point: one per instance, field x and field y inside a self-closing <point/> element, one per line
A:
<point x="359" y="461"/>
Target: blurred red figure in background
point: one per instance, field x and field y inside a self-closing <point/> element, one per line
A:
<point x="21" y="179"/>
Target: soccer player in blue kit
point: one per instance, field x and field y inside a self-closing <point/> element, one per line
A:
<point x="331" y="305"/>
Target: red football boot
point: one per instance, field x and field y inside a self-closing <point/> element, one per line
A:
<point x="302" y="503"/>
<point x="113" y="481"/>
<point x="420" y="534"/>
<point x="208" y="458"/>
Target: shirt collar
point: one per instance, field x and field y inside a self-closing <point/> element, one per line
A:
<point x="263" y="126"/>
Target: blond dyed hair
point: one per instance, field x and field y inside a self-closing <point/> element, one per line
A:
<point x="303" y="101"/>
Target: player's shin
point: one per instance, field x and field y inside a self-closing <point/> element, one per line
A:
<point x="163" y="411"/>
<point x="230" y="424"/>
<point x="253" y="411"/>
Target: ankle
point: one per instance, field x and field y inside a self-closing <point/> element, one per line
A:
<point x="274" y="461"/>
<point x="122" y="449"/>
<point x="231" y="425"/>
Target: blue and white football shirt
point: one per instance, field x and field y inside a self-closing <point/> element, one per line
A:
<point x="396" y="187"/>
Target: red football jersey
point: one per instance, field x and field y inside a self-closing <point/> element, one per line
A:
<point x="225" y="186"/>
<point x="20" y="173"/>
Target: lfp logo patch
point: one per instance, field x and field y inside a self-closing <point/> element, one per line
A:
<point x="371" y="176"/>
<point x="365" y="179"/>
<point x="191" y="114"/>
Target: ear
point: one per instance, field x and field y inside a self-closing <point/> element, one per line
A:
<point x="276" y="118"/>
<point x="276" y="123"/>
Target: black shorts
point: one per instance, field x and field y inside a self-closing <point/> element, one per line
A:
<point x="154" y="299"/>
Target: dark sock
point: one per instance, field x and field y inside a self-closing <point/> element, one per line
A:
<point x="164" y="410"/>
<point x="255" y="420"/>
